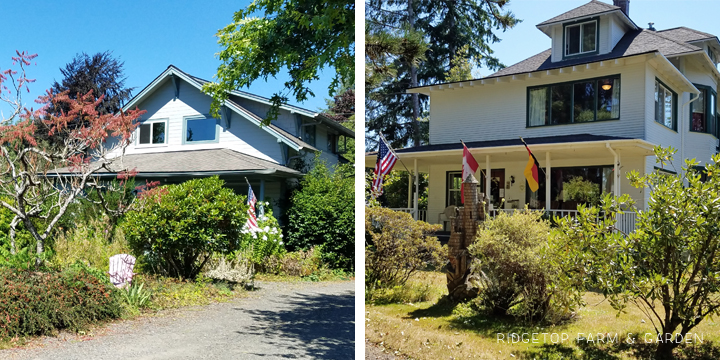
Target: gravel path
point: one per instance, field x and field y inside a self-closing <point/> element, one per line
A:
<point x="281" y="320"/>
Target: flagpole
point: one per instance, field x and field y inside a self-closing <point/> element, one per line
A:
<point x="393" y="151"/>
<point x="533" y="155"/>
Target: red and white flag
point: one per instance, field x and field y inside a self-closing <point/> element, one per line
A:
<point x="385" y="161"/>
<point x="469" y="166"/>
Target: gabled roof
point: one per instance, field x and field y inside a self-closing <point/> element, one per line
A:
<point x="292" y="141"/>
<point x="633" y="43"/>
<point x="312" y="114"/>
<point x="199" y="162"/>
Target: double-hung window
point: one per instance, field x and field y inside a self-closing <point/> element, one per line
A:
<point x="152" y="132"/>
<point x="574" y="102"/>
<point x="581" y="38"/>
<point x="703" y="117"/>
<point x="665" y="105"/>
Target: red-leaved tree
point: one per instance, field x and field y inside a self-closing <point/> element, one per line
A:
<point x="38" y="181"/>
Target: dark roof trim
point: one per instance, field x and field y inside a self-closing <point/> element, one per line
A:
<point x="513" y="142"/>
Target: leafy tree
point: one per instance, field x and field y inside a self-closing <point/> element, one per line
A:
<point x="669" y="267"/>
<point x="342" y="107"/>
<point x="461" y="66"/>
<point x="322" y="213"/>
<point x="302" y="36"/>
<point x="447" y="25"/>
<point x="101" y="73"/>
<point x="37" y="195"/>
<point x="180" y="227"/>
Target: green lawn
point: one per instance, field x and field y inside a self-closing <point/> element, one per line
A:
<point x="432" y="330"/>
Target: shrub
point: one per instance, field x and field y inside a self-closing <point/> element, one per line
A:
<point x="38" y="303"/>
<point x="92" y="243"/>
<point x="237" y="269"/>
<point x="267" y="242"/>
<point x="322" y="212"/>
<point x="397" y="246"/>
<point x="518" y="273"/>
<point x="179" y="227"/>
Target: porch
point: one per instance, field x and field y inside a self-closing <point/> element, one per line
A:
<point x="599" y="164"/>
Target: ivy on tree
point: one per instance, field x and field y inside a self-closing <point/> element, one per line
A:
<point x="302" y="36"/>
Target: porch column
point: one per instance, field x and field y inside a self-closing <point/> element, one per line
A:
<point x="548" y="200"/>
<point x="616" y="170"/>
<point x="410" y="182"/>
<point x="487" y="178"/>
<point x="262" y="190"/>
<point x="417" y="215"/>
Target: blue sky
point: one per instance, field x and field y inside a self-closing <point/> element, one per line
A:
<point x="147" y="35"/>
<point x="525" y="40"/>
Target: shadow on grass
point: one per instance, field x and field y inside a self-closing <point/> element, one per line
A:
<point x="314" y="325"/>
<point x="639" y="350"/>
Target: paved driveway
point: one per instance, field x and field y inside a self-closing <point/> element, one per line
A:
<point x="279" y="321"/>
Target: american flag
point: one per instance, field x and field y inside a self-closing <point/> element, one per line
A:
<point x="252" y="223"/>
<point x="385" y="161"/>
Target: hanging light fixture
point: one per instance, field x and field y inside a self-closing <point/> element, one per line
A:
<point x="606" y="86"/>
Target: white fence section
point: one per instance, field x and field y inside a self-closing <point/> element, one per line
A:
<point x="422" y="214"/>
<point x="625" y="222"/>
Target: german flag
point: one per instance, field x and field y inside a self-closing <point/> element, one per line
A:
<point x="531" y="171"/>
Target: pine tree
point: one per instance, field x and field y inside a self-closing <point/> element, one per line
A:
<point x="447" y="26"/>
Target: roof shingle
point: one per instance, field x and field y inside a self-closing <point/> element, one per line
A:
<point x="594" y="7"/>
<point x="633" y="43"/>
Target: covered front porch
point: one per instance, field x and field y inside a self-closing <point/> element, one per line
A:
<point x="577" y="169"/>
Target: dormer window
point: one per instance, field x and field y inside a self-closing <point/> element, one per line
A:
<point x="581" y="38"/>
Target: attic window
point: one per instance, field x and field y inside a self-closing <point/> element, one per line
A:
<point x="152" y="132"/>
<point x="581" y="38"/>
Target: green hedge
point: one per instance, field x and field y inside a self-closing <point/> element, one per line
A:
<point x="39" y="303"/>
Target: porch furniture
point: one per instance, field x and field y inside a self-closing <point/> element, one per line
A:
<point x="450" y="213"/>
<point x="121" y="269"/>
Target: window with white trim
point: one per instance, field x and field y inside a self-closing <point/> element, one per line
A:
<point x="665" y="105"/>
<point x="152" y="132"/>
<point x="581" y="38"/>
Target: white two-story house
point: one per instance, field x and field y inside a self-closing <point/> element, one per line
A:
<point x="177" y="139"/>
<point x="593" y="106"/>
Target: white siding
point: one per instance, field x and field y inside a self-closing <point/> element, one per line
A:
<point x="285" y="120"/>
<point x="617" y="31"/>
<point x="498" y="111"/>
<point x="557" y="43"/>
<point x="242" y="136"/>
<point x="605" y="37"/>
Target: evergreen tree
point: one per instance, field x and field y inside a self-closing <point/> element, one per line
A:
<point x="447" y="25"/>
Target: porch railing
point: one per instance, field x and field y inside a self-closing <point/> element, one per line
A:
<point x="624" y="222"/>
<point x="422" y="214"/>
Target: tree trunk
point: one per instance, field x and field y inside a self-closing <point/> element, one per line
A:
<point x="13" y="225"/>
<point x="414" y="83"/>
<point x="40" y="242"/>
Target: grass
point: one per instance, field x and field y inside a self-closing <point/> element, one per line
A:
<point x="437" y="329"/>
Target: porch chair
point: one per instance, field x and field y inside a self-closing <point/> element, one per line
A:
<point x="121" y="270"/>
<point x="450" y="214"/>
